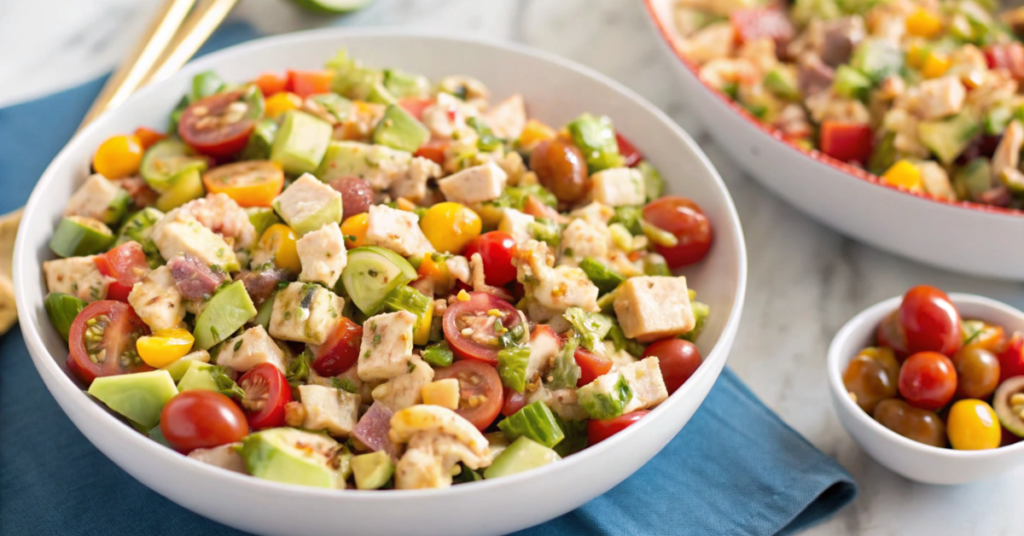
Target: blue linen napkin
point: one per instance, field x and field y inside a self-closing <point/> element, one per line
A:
<point x="735" y="469"/>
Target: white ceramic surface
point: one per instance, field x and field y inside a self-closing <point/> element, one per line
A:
<point x="917" y="461"/>
<point x="555" y="91"/>
<point x="954" y="236"/>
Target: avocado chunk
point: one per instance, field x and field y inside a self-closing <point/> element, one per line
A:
<point x="399" y="130"/>
<point x="354" y="159"/>
<point x="179" y="367"/>
<point x="371" y="274"/>
<point x="1009" y="405"/>
<point x="229" y="309"/>
<point x="522" y="455"/>
<point x="406" y="85"/>
<point x="198" y="375"/>
<point x="295" y="457"/>
<point x="947" y="139"/>
<point x="372" y="470"/>
<point x="139" y="397"/>
<point x="262" y="218"/>
<point x="851" y="83"/>
<point x="300" y="143"/>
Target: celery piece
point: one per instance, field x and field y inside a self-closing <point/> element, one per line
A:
<point x="595" y="136"/>
<point x="535" y="421"/>
<point x="701" y="311"/>
<point x="605" y="277"/>
<point x="565" y="373"/>
<point x="657" y="235"/>
<point x="62" y="310"/>
<point x="605" y="397"/>
<point x="438" y="354"/>
<point x="512" y="362"/>
<point x="629" y="216"/>
<point x="406" y="298"/>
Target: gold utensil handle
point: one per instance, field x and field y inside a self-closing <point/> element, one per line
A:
<point x="135" y="69"/>
<point x="206" y="17"/>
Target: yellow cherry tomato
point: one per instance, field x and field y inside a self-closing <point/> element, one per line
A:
<point x="923" y="23"/>
<point x="354" y="229"/>
<point x="164" y="347"/>
<point x="279" y="241"/>
<point x="450" y="226"/>
<point x="905" y="174"/>
<point x="118" y="157"/>
<point x="279" y="103"/>
<point x="935" y="65"/>
<point x="973" y="425"/>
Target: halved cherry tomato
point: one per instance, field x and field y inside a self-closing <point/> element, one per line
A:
<point x="433" y="150"/>
<point x="102" y="341"/>
<point x="890" y="335"/>
<point x="480" y="390"/>
<point x="1011" y="359"/>
<point x="628" y="150"/>
<point x="687" y="222"/>
<point x="930" y="321"/>
<point x="340" y="351"/>
<point x="470" y="326"/>
<point x="496" y="249"/>
<point x="220" y="124"/>
<point x="118" y="157"/>
<point x="254" y="183"/>
<point x="148" y="137"/>
<point x="1009" y="56"/>
<point x="127" y="265"/>
<point x="266" y="393"/>
<point x="591" y="365"/>
<point x="987" y="337"/>
<point x="306" y="83"/>
<point x="761" y="23"/>
<point x="927" y="380"/>
<point x="202" y="419"/>
<point x="415" y="105"/>
<point x="271" y="83"/>
<point x="847" y="142"/>
<point x="514" y="401"/>
<point x="598" y="431"/>
<point x="678" y="360"/>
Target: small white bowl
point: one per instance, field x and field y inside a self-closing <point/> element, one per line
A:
<point x="917" y="461"/>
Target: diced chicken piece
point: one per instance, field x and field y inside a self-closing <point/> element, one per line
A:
<point x="386" y="348"/>
<point x="93" y="198"/>
<point x="444" y="393"/>
<point x="304" y="198"/>
<point x="713" y="41"/>
<point x="507" y="118"/>
<point x="224" y="456"/>
<point x="997" y="86"/>
<point x="222" y="215"/>
<point x="620" y="358"/>
<point x="827" y="106"/>
<point x="305" y="312"/>
<point x="412" y="184"/>
<point x="645" y="380"/>
<point x="719" y="72"/>
<point x="813" y="76"/>
<point x="594" y="212"/>
<point x="554" y="288"/>
<point x="323" y="256"/>
<point x="544" y="346"/>
<point x="437" y="438"/>
<point x="195" y="280"/>
<point x="373" y="428"/>
<point x="654" y="307"/>
<point x="396" y="230"/>
<point x="77" y="276"/>
<point x="249" y="349"/>
<point x="404" y="391"/>
<point x="157" y="300"/>
<point x="618" y="187"/>
<point x="1007" y="155"/>
<point x="446" y="116"/>
<point x="479" y="279"/>
<point x="513" y="166"/>
<point x="516" y="224"/>
<point x="261" y="284"/>
<point x="936" y="180"/>
<point x="474" y="185"/>
<point x="904" y="125"/>
<point x="329" y="409"/>
<point x="422" y="418"/>
<point x="792" y="121"/>
<point x="458" y="267"/>
<point x="840" y="37"/>
<point x="581" y="239"/>
<point x="179" y="233"/>
<point x="938" y="98"/>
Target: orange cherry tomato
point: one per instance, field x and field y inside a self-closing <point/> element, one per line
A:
<point x="271" y="83"/>
<point x="118" y="157"/>
<point x="306" y="83"/>
<point x="148" y="137"/>
<point x="253" y="183"/>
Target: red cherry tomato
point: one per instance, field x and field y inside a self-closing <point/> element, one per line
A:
<point x="433" y="150"/>
<point x="415" y="105"/>
<point x="514" y="401"/>
<point x="1011" y="359"/>
<point x="480" y="391"/>
<point x="107" y="347"/>
<point x="271" y="83"/>
<point x="127" y="265"/>
<point x="927" y="380"/>
<point x="214" y="126"/>
<point x="890" y="335"/>
<point x="628" y="150"/>
<point x="591" y="366"/>
<point x="847" y="142"/>
<point x="678" y="360"/>
<point x="306" y="83"/>
<point x="930" y="321"/>
<point x="496" y="248"/>
<point x="266" y="393"/>
<point x="481" y="341"/>
<point x="761" y="23"/>
<point x="201" y="419"/>
<point x="340" y="351"/>
<point x="684" y="219"/>
<point x="598" y="431"/>
<point x="1009" y="56"/>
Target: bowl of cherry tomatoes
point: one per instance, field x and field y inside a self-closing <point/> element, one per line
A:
<point x="932" y="385"/>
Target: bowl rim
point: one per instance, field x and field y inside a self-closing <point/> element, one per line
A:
<point x="873" y="314"/>
<point x="669" y="36"/>
<point x="168" y="457"/>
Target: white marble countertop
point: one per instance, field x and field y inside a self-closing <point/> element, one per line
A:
<point x="817" y="278"/>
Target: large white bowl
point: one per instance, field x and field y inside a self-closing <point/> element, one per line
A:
<point x="556" y="91"/>
<point x="964" y="237"/>
<point x="916" y="461"/>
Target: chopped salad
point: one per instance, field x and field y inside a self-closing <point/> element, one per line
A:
<point x="355" y="277"/>
<point x="923" y="93"/>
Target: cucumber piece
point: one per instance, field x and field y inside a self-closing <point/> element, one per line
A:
<point x="353" y="80"/>
<point x="262" y="218"/>
<point x="438" y="354"/>
<point x="877" y="59"/>
<point x="701" y="312"/>
<point x="265" y="311"/>
<point x="261" y="141"/>
<point x="605" y="277"/>
<point x="629" y="217"/>
<point x="591" y="328"/>
<point x="139" y="397"/>
<point x="406" y="298"/>
<point x="371" y="273"/>
<point x="512" y="362"/>
<point x="336" y="105"/>
<point x="205" y="84"/>
<point x="181" y="189"/>
<point x="1010" y="414"/>
<point x="973" y="179"/>
<point x="331" y="7"/>
<point x="595" y="136"/>
<point x="179" y="367"/>
<point x="406" y="85"/>
<point x="782" y="83"/>
<point x="535" y="421"/>
<point x="522" y="455"/>
<point x="301" y="142"/>
<point x="851" y="83"/>
<point x="399" y="130"/>
<point x="656" y="235"/>
<point x="654" y="185"/>
<point x="138" y="226"/>
<point x="373" y="470"/>
<point x="165" y="160"/>
<point x="62" y="310"/>
<point x="947" y="139"/>
<point x="229" y="309"/>
<point x="77" y="236"/>
<point x="605" y="397"/>
<point x="380" y="95"/>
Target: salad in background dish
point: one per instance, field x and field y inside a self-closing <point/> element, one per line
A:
<point x="924" y="93"/>
<point x="361" y="278"/>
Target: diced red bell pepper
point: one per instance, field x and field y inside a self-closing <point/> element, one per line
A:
<point x="761" y="23"/>
<point x="433" y="150"/>
<point x="1009" y="56"/>
<point x="271" y="83"/>
<point x="849" y="142"/>
<point x="628" y="151"/>
<point x="415" y="105"/>
<point x="306" y="83"/>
